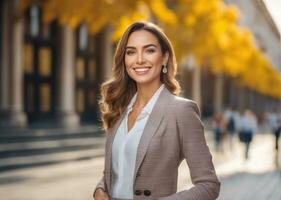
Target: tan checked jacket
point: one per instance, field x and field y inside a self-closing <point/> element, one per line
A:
<point x="173" y="132"/>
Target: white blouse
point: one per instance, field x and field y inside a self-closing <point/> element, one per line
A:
<point x="124" y="149"/>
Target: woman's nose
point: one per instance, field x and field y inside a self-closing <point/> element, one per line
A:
<point x="140" y="58"/>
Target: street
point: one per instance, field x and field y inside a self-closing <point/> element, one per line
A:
<point x="255" y="178"/>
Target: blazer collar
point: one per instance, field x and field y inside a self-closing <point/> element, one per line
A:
<point x="151" y="126"/>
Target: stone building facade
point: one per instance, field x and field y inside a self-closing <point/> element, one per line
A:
<point x="51" y="74"/>
<point x="255" y="16"/>
<point x="216" y="92"/>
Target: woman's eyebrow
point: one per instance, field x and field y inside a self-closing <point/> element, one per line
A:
<point x="150" y="45"/>
<point x="145" y="46"/>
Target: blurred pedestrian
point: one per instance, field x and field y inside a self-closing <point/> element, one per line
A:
<point x="229" y="116"/>
<point x="277" y="136"/>
<point x="248" y="127"/>
<point x="219" y="128"/>
<point x="150" y="130"/>
<point x="274" y="122"/>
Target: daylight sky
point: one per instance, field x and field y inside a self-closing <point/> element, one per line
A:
<point x="274" y="7"/>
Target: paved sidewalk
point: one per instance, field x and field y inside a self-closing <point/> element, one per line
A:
<point x="253" y="179"/>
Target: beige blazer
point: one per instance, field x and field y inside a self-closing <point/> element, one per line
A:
<point x="173" y="132"/>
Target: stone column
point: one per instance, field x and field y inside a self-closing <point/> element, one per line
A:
<point x="104" y="54"/>
<point x="218" y="95"/>
<point x="4" y="57"/>
<point x="66" y="115"/>
<point x="12" y="114"/>
<point x="196" y="85"/>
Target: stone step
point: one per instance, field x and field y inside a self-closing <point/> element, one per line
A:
<point x="48" y="131"/>
<point x="49" y="144"/>
<point x="86" y="144"/>
<point x="43" y="135"/>
<point x="11" y="163"/>
<point x="29" y="147"/>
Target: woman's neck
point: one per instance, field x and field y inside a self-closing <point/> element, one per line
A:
<point x="145" y="92"/>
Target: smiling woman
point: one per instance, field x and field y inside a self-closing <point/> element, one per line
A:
<point x="150" y="130"/>
<point x="120" y="89"/>
<point x="144" y="59"/>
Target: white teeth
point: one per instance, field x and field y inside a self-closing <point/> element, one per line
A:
<point x="141" y="69"/>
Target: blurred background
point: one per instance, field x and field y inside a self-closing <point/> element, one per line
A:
<point x="55" y="54"/>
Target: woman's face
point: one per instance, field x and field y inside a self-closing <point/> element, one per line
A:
<point x="144" y="58"/>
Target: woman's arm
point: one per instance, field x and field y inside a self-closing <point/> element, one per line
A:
<point x="196" y="152"/>
<point x="100" y="184"/>
<point x="100" y="191"/>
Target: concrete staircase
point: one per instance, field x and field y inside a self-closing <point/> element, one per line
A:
<point x="35" y="147"/>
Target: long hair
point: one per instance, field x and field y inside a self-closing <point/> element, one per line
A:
<point x="117" y="92"/>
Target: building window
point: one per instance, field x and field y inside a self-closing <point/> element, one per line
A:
<point x="45" y="58"/>
<point x="34" y="20"/>
<point x="83" y="38"/>
<point x="45" y="96"/>
<point x="39" y="66"/>
<point x="86" y="76"/>
<point x="28" y="58"/>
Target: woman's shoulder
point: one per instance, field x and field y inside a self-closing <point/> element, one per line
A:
<point x="180" y="105"/>
<point x="182" y="102"/>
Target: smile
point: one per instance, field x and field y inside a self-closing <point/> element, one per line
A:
<point x="141" y="70"/>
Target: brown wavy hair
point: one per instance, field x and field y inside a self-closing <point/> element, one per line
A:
<point x="117" y="92"/>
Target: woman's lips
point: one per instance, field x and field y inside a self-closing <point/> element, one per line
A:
<point x="141" y="70"/>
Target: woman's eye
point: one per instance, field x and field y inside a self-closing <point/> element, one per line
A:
<point x="150" y="50"/>
<point x="129" y="52"/>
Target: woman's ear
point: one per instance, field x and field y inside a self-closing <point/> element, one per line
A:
<point x="165" y="59"/>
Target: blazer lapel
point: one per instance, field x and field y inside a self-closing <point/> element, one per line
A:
<point x="108" y="158"/>
<point x="152" y="125"/>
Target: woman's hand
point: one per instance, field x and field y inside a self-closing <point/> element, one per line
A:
<point x="100" y="194"/>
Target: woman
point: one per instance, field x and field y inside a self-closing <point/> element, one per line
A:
<point x="150" y="130"/>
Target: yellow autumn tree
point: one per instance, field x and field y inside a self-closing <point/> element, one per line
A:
<point x="206" y="29"/>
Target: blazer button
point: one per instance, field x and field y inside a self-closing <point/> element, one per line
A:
<point x="147" y="193"/>
<point x="138" y="192"/>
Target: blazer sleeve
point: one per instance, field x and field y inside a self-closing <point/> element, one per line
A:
<point x="197" y="155"/>
<point x="100" y="184"/>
